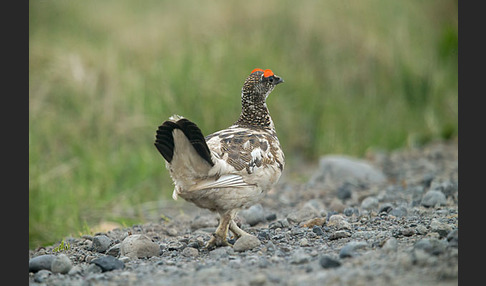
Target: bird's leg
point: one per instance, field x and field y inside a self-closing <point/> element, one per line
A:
<point x="219" y="236"/>
<point x="236" y="230"/>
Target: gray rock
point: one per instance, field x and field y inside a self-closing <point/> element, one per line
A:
<point x="386" y="208"/>
<point x="390" y="245"/>
<point x="431" y="246"/>
<point x="338" y="221"/>
<point x="42" y="275"/>
<point x="299" y="257"/>
<point x="433" y="198"/>
<point x="339" y="234"/>
<point x="253" y="215"/>
<point x="258" y="280"/>
<point x="93" y="268"/>
<point x="350" y="249"/>
<point x="101" y="243"/>
<point x="407" y="231"/>
<point x="304" y="242"/>
<point x="75" y="270"/>
<point x="282" y="223"/>
<point x="220" y="252"/>
<point x="399" y="212"/>
<point x="421" y="229"/>
<point x="345" y="191"/>
<point x="302" y="214"/>
<point x="453" y="238"/>
<point x="441" y="228"/>
<point x="349" y="211"/>
<point x="108" y="263"/>
<point x="41" y="262"/>
<point x="337" y="169"/>
<point x="448" y="188"/>
<point x="114" y="250"/>
<point x="246" y="242"/>
<point x="190" y="252"/>
<point x="317" y="230"/>
<point x="327" y="261"/>
<point x="317" y="205"/>
<point x="370" y="203"/>
<point x="139" y="246"/>
<point x="61" y="264"/>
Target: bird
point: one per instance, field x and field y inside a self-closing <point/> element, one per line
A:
<point x="230" y="169"/>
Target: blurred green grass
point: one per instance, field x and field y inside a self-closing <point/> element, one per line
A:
<point x="104" y="74"/>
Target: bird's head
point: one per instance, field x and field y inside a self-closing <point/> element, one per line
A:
<point x="260" y="83"/>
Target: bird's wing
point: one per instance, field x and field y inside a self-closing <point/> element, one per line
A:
<point x="253" y="154"/>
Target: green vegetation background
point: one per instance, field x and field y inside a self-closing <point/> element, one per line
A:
<point x="104" y="74"/>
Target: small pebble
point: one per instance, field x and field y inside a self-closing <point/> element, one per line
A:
<point x="407" y="231"/>
<point x="339" y="234"/>
<point x="42" y="275"/>
<point x="101" y="243"/>
<point x="370" y="203"/>
<point x="108" y="263"/>
<point x="390" y="245"/>
<point x="114" y="250"/>
<point x="431" y="245"/>
<point x="299" y="257"/>
<point x="441" y="228"/>
<point x="304" y="242"/>
<point x="271" y="217"/>
<point x="75" y="270"/>
<point x="327" y="261"/>
<point x="433" y="198"/>
<point x="399" y="212"/>
<point x="339" y="222"/>
<point x="220" y="252"/>
<point x="453" y="238"/>
<point x="258" y="280"/>
<point x="190" y="252"/>
<point x="350" y="249"/>
<point x="317" y="230"/>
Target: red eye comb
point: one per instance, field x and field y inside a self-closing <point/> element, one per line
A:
<point x="266" y="73"/>
<point x="255" y="70"/>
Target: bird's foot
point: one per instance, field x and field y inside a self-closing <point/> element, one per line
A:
<point x="216" y="241"/>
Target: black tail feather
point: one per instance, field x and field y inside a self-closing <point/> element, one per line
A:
<point x="165" y="142"/>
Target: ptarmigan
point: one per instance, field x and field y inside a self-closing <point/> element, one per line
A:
<point x="232" y="168"/>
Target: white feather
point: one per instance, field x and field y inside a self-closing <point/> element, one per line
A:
<point x="225" y="181"/>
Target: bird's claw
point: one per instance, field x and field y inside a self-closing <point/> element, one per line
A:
<point x="216" y="241"/>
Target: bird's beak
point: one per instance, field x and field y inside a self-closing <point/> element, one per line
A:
<point x="278" y="80"/>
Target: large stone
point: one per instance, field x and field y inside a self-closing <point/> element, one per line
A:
<point x="246" y="242"/>
<point x="61" y="264"/>
<point x="139" y="246"/>
<point x="41" y="262"/>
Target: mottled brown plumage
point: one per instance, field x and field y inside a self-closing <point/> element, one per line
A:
<point x="230" y="169"/>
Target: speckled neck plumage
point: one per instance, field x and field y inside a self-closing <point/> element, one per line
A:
<point x="254" y="112"/>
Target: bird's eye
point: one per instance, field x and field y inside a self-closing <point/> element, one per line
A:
<point x="271" y="79"/>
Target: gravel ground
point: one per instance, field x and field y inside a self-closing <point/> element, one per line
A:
<point x="388" y="219"/>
